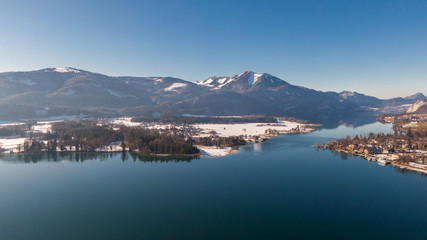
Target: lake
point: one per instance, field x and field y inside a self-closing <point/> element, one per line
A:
<point x="281" y="188"/>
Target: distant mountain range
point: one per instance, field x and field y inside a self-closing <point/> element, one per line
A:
<point x="70" y="91"/>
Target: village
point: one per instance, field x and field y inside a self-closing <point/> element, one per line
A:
<point x="405" y="148"/>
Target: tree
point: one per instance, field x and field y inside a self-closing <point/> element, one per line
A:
<point x="123" y="145"/>
<point x="409" y="136"/>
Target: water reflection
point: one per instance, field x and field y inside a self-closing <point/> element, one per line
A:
<point x="350" y="119"/>
<point x="87" y="156"/>
<point x="406" y="171"/>
<point x="299" y="143"/>
<point x="257" y="147"/>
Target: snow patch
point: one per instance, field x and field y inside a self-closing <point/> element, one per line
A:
<point x="126" y="121"/>
<point x="66" y="70"/>
<point x="157" y="80"/>
<point x="257" y="77"/>
<point x="42" y="127"/>
<point x="7" y="123"/>
<point x="192" y="115"/>
<point x="175" y="87"/>
<point x="11" y="144"/>
<point x="253" y="129"/>
<point x="226" y="81"/>
<point x="413" y="108"/>
<point x="347" y="94"/>
<point x="222" y="80"/>
<point x="214" y="151"/>
<point x="208" y="81"/>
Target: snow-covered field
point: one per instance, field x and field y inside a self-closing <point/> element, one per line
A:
<point x="4" y="124"/>
<point x="126" y="121"/>
<point x="214" y="151"/>
<point x="250" y="130"/>
<point x="223" y="130"/>
<point x="253" y="129"/>
<point x="43" y="127"/>
<point x="11" y="144"/>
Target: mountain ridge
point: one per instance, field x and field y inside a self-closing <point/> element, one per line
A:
<point x="72" y="91"/>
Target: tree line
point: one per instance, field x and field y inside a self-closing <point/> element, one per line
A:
<point x="87" y="136"/>
<point x="221" y="142"/>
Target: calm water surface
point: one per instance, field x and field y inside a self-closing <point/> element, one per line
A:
<point x="282" y="188"/>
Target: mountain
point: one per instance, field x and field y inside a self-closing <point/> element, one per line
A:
<point x="245" y="82"/>
<point x="365" y="101"/>
<point x="253" y="93"/>
<point x="70" y="91"/>
<point x="360" y="99"/>
<point x="406" y="100"/>
<point x="415" y="97"/>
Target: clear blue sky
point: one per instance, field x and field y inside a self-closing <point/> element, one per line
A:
<point x="374" y="47"/>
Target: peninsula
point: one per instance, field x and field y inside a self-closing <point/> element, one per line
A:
<point x="168" y="136"/>
<point x="405" y="148"/>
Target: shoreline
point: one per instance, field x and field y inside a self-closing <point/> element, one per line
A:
<point x="248" y="132"/>
<point x="409" y="167"/>
<point x="95" y="152"/>
<point x="381" y="161"/>
<point x="222" y="152"/>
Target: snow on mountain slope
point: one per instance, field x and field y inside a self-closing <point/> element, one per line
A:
<point x="175" y="87"/>
<point x="216" y="82"/>
<point x="66" y="70"/>
<point x="69" y="91"/>
<point x="346" y="94"/>
<point x="419" y="106"/>
<point x="242" y="82"/>
<point x="257" y="77"/>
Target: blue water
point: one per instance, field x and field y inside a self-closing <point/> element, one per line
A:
<point x="282" y="188"/>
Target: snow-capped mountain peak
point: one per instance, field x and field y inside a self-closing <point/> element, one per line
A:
<point x="258" y="77"/>
<point x="245" y="81"/>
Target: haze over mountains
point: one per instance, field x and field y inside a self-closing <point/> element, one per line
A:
<point x="70" y="91"/>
